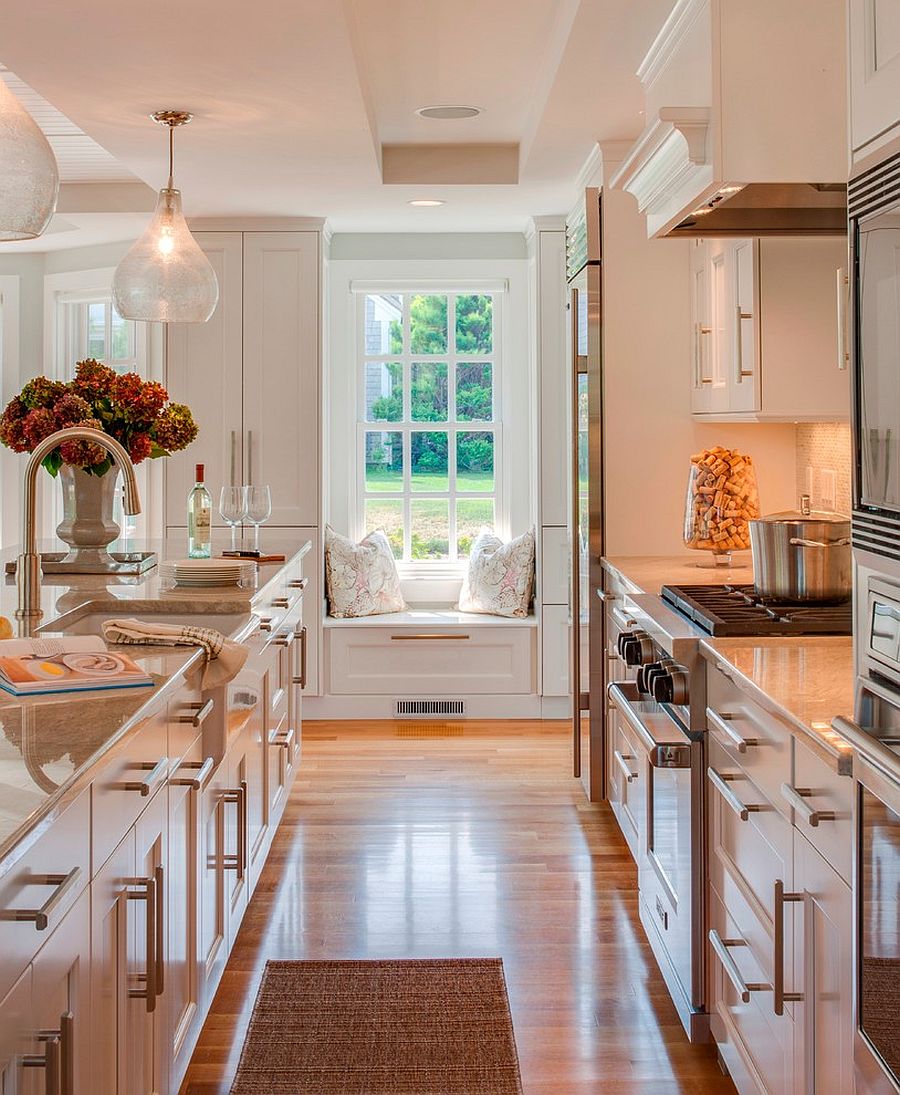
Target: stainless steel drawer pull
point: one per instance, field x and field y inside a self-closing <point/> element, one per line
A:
<point x="304" y="653"/>
<point x="796" y="797"/>
<point x="204" y="770"/>
<point x="622" y="761"/>
<point x="286" y="640"/>
<point x="50" y="1059"/>
<point x="64" y="1036"/>
<point x="298" y="583"/>
<point x="200" y="712"/>
<point x="428" y="635"/>
<point x="155" y="774"/>
<point x="264" y="623"/>
<point x="720" y="782"/>
<point x="781" y="899"/>
<point x="147" y="893"/>
<point x="283" y="602"/>
<point x="61" y="883"/>
<point x="721" y="948"/>
<point x="284" y="740"/>
<point x="722" y="723"/>
<point x="238" y="861"/>
<point x="606" y="597"/>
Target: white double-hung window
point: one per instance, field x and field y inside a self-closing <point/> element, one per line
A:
<point x="429" y="434"/>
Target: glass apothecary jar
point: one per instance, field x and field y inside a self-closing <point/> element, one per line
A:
<point x="722" y="497"/>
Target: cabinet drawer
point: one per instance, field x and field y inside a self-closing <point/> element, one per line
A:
<point x="127" y="779"/>
<point x="824" y="813"/>
<point x="755" y="1043"/>
<point x="53" y="871"/>
<point x="753" y="739"/>
<point x="747" y="855"/>
<point x="386" y="661"/>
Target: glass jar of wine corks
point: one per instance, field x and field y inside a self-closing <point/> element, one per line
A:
<point x="722" y="496"/>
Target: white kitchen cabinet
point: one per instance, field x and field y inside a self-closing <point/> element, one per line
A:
<point x="874" y="72"/>
<point x="765" y="338"/>
<point x="822" y="921"/>
<point x="251" y="375"/>
<point x="16" y="1034"/>
<point x="213" y="882"/>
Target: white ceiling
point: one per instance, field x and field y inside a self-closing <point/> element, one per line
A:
<point x="292" y="101"/>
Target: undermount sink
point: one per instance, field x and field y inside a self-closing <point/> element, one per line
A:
<point x="89" y="618"/>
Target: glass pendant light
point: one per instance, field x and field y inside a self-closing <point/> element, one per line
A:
<point x="165" y="277"/>
<point x="29" y="177"/>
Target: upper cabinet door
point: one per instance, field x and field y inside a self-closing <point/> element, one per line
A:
<point x="743" y="362"/>
<point x="281" y="386"/>
<point x="874" y="69"/>
<point x="203" y="370"/>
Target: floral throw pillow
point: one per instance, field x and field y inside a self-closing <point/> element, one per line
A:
<point x="361" y="578"/>
<point x="500" y="578"/>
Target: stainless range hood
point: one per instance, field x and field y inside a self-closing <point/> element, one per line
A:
<point x="768" y="209"/>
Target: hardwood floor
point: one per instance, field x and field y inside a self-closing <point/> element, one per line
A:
<point x="428" y="840"/>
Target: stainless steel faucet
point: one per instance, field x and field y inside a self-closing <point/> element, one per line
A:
<point x="28" y="571"/>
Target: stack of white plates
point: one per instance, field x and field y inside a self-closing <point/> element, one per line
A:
<point x="201" y="573"/>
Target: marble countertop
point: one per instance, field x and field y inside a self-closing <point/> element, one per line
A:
<point x="49" y="743"/>
<point x="649" y="573"/>
<point x="805" y="681"/>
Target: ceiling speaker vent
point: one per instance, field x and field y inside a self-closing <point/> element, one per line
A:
<point x="423" y="708"/>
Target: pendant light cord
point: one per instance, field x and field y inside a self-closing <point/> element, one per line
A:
<point x="171" y="157"/>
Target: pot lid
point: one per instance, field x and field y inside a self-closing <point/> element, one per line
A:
<point x="793" y="517"/>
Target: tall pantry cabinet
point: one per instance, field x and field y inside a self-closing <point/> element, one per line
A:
<point x="252" y="378"/>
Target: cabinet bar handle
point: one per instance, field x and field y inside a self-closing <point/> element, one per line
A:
<point x="264" y="623"/>
<point x="61" y="883"/>
<point x="159" y="950"/>
<point x="282" y="602"/>
<point x="796" y="797"/>
<point x="67" y="1053"/>
<point x="286" y="640"/>
<point x="250" y="457"/>
<point x="301" y="680"/>
<point x="285" y="741"/>
<point x="722" y="723"/>
<point x="238" y="861"/>
<point x="428" y="635"/>
<point x="739" y="371"/>
<point x="621" y="759"/>
<point x="203" y="768"/>
<point x="720" y="782"/>
<point x="155" y="773"/>
<point x="298" y="583"/>
<point x="49" y="1060"/>
<point x="781" y="899"/>
<point x="720" y="946"/>
<point x="148" y="895"/>
<point x="606" y="597"/>
<point x="233" y="447"/>
<point x="200" y="712"/>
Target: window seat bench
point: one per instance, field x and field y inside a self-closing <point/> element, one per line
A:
<point x="431" y="652"/>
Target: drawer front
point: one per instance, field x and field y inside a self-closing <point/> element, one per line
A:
<point x="50" y="875"/>
<point x="383" y="661"/>
<point x="746" y="857"/>
<point x="825" y="813"/>
<point x="126" y="781"/>
<point x="755" y="1043"/>
<point x="276" y="603"/>
<point x="753" y="739"/>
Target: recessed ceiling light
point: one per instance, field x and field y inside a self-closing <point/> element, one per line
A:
<point x="448" y="112"/>
<point x="426" y="203"/>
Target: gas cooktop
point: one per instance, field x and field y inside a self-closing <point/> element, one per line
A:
<point x="739" y="610"/>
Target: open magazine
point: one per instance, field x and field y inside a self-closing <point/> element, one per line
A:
<point x="31" y="667"/>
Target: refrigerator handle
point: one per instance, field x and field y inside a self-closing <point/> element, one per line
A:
<point x="575" y="669"/>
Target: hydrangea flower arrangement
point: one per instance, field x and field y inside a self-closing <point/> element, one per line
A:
<point x="136" y="412"/>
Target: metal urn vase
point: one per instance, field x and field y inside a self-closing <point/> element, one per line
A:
<point x="87" y="525"/>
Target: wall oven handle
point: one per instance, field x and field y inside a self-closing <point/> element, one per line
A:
<point x="843" y="293"/>
<point x="796" y="797"/>
<point x="720" y="781"/>
<point x="722" y="723"/>
<point x="575" y="565"/>
<point x="661" y="754"/>
<point x="781" y="899"/>
<point x="622" y="760"/>
<point x="869" y="746"/>
<point x="721" y="948"/>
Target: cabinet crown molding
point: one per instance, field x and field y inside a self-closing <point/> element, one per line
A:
<point x="682" y="17"/>
<point x="256" y="224"/>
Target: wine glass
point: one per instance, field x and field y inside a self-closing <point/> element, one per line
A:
<point x="231" y="509"/>
<point x="257" y="508"/>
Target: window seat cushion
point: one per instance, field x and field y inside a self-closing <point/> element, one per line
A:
<point x="432" y="617"/>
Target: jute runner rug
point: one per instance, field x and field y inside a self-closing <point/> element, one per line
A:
<point x="406" y="1027"/>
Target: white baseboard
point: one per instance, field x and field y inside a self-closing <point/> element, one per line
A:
<point x="556" y="707"/>
<point x="382" y="707"/>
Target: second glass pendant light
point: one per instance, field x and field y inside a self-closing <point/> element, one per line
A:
<point x="165" y="276"/>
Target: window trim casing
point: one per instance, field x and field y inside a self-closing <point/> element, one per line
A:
<point x="498" y="288"/>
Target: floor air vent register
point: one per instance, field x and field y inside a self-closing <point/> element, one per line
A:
<point x="425" y="708"/>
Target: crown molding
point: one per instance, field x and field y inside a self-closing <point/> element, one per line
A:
<point x="681" y="19"/>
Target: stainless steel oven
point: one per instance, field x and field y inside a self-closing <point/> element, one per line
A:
<point x="658" y="749"/>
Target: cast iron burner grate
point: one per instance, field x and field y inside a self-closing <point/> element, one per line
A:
<point x="739" y="610"/>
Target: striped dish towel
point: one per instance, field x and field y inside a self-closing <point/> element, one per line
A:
<point x="223" y="659"/>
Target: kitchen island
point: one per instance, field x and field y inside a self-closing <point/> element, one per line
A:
<point x="134" y="826"/>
